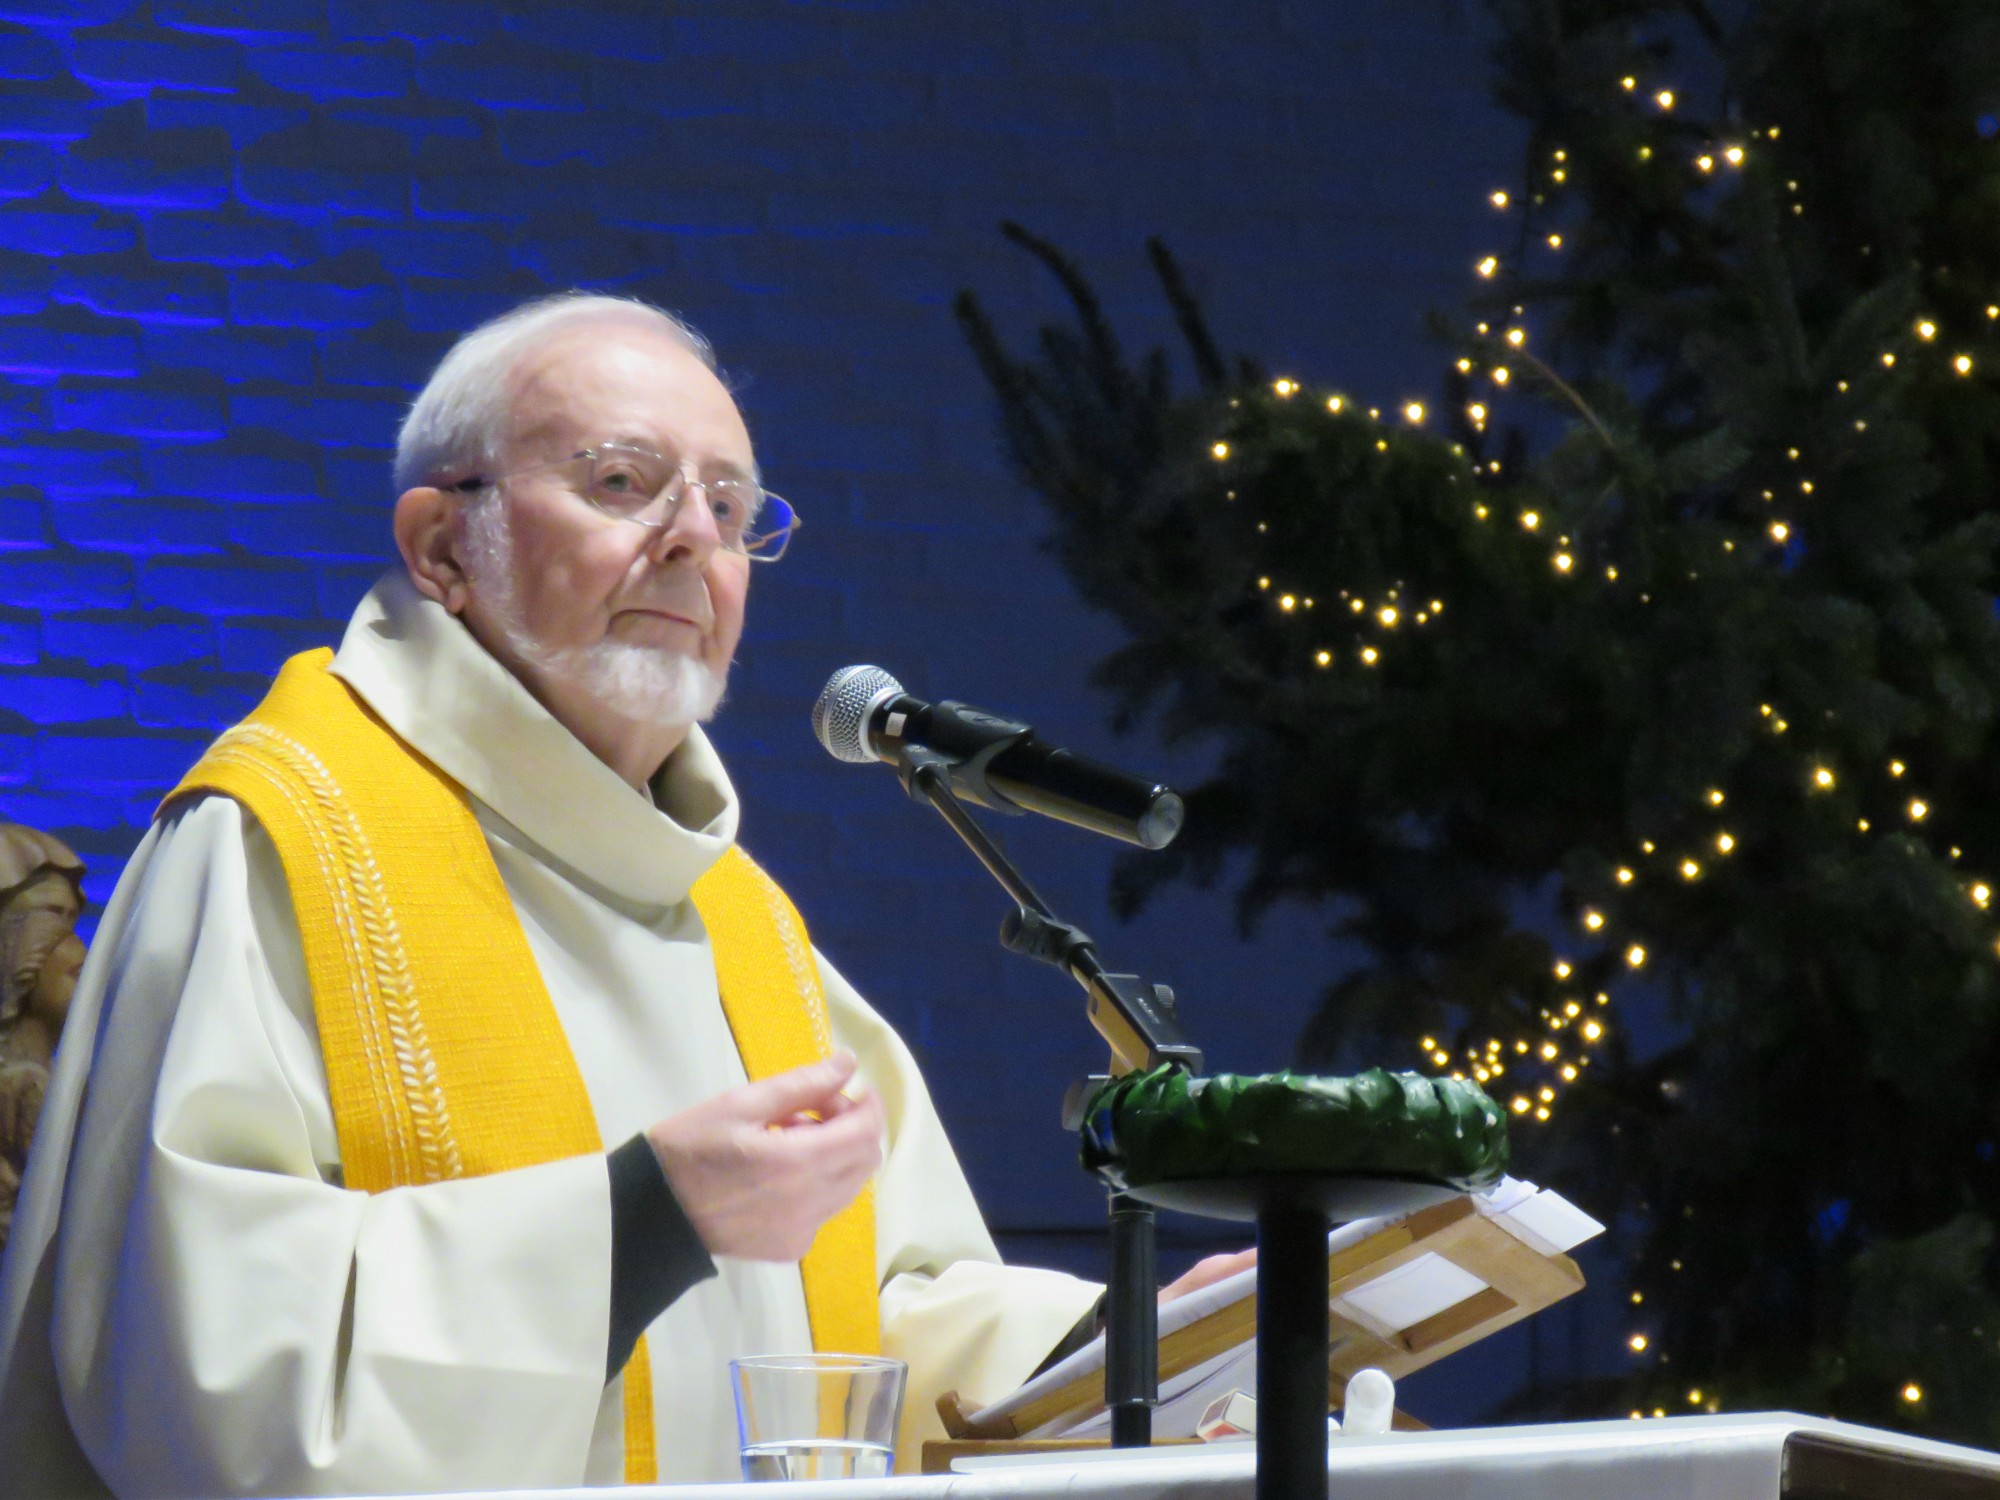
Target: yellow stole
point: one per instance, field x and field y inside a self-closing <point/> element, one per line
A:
<point x="444" y="1056"/>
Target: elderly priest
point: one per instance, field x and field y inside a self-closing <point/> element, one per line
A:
<point x="447" y="1097"/>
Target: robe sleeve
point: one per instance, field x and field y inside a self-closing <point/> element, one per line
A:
<point x="228" y="1320"/>
<point x="961" y="1320"/>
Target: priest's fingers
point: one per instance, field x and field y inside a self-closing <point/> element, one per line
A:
<point x="811" y="1089"/>
<point x="761" y="1193"/>
<point x="1207" y="1272"/>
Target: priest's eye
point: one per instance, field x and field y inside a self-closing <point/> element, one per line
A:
<point x="727" y="503"/>
<point x="622" y="484"/>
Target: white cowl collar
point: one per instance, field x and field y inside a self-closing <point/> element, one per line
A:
<point x="431" y="681"/>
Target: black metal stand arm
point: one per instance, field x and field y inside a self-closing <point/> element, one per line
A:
<point x="1136" y="1018"/>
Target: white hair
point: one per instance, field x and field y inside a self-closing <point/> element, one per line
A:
<point x="453" y="428"/>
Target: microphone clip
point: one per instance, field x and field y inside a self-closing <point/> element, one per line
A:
<point x="966" y="775"/>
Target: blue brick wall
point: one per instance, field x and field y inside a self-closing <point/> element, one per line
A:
<point x="234" y="234"/>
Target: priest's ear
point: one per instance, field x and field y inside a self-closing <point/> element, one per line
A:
<point x="430" y="533"/>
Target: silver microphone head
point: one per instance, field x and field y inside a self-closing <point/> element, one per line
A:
<point x="840" y="717"/>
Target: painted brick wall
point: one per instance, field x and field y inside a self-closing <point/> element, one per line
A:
<point x="234" y="234"/>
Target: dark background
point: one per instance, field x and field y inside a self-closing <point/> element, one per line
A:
<point x="236" y="234"/>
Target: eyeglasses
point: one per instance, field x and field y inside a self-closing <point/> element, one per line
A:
<point x="646" y="488"/>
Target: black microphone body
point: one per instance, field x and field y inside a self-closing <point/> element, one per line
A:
<point x="997" y="762"/>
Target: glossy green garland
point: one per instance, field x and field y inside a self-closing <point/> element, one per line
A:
<point x="1164" y="1125"/>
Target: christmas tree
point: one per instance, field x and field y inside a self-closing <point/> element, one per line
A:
<point x="1651" y="677"/>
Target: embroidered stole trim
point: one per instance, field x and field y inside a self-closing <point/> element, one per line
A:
<point x="444" y="1055"/>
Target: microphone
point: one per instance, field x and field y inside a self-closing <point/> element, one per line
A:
<point x="863" y="714"/>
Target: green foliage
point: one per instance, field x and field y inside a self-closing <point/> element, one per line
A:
<point x="1726" y="624"/>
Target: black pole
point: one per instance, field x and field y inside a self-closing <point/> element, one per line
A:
<point x="1292" y="1337"/>
<point x="1132" y="1325"/>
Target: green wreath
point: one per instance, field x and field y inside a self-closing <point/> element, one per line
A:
<point x="1165" y="1125"/>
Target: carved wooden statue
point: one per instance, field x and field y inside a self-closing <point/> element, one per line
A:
<point x="41" y="896"/>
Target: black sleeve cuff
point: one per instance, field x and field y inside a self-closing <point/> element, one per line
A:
<point x="655" y="1253"/>
<point x="1088" y="1327"/>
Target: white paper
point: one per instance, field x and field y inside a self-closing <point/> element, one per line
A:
<point x="1407" y="1295"/>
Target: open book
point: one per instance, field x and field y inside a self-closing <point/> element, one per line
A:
<point x="1405" y="1291"/>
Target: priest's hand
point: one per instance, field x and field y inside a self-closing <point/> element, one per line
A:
<point x="758" y="1169"/>
<point x="1206" y="1273"/>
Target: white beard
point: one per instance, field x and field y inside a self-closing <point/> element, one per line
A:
<point x="641" y="684"/>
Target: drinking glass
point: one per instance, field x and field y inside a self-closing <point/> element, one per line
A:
<point x="817" y="1416"/>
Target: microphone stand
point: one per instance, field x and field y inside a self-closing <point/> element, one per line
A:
<point x="1137" y="1020"/>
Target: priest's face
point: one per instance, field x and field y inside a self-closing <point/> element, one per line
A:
<point x="605" y="619"/>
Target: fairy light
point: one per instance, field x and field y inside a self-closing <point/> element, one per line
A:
<point x="1387" y="615"/>
<point x="1370" y="655"/>
<point x="1563" y="562"/>
<point x="1285" y="388"/>
<point x="1517" y="336"/>
<point x="1489" y="265"/>
<point x="1413" y="412"/>
<point x="1896" y="768"/>
<point x="1562" y="968"/>
<point x="1690" y="869"/>
<point x="1555" y="242"/>
<point x="1981" y="895"/>
<point x="1288" y="602"/>
<point x="1477" y="412"/>
<point x="1594" y="920"/>
<point x="1822" y="778"/>
<point x="1733" y="155"/>
<point x="1926" y="330"/>
<point x="1635" y="956"/>
<point x="1918" y="810"/>
<point x="1705" y="162"/>
<point x="1912" y="1393"/>
<point x="1592" y="1030"/>
<point x="1498" y="198"/>
<point x="1665" y="98"/>
<point x="1624" y="876"/>
<point x="1501" y="375"/>
<point x="1724" y="843"/>
<point x="1962" y="364"/>
<point x="1335" y="403"/>
<point x="1219" y="451"/>
<point x="1780" y="531"/>
<point x="1531" y="519"/>
<point x="1637" y="1343"/>
<point x="1323" y="658"/>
